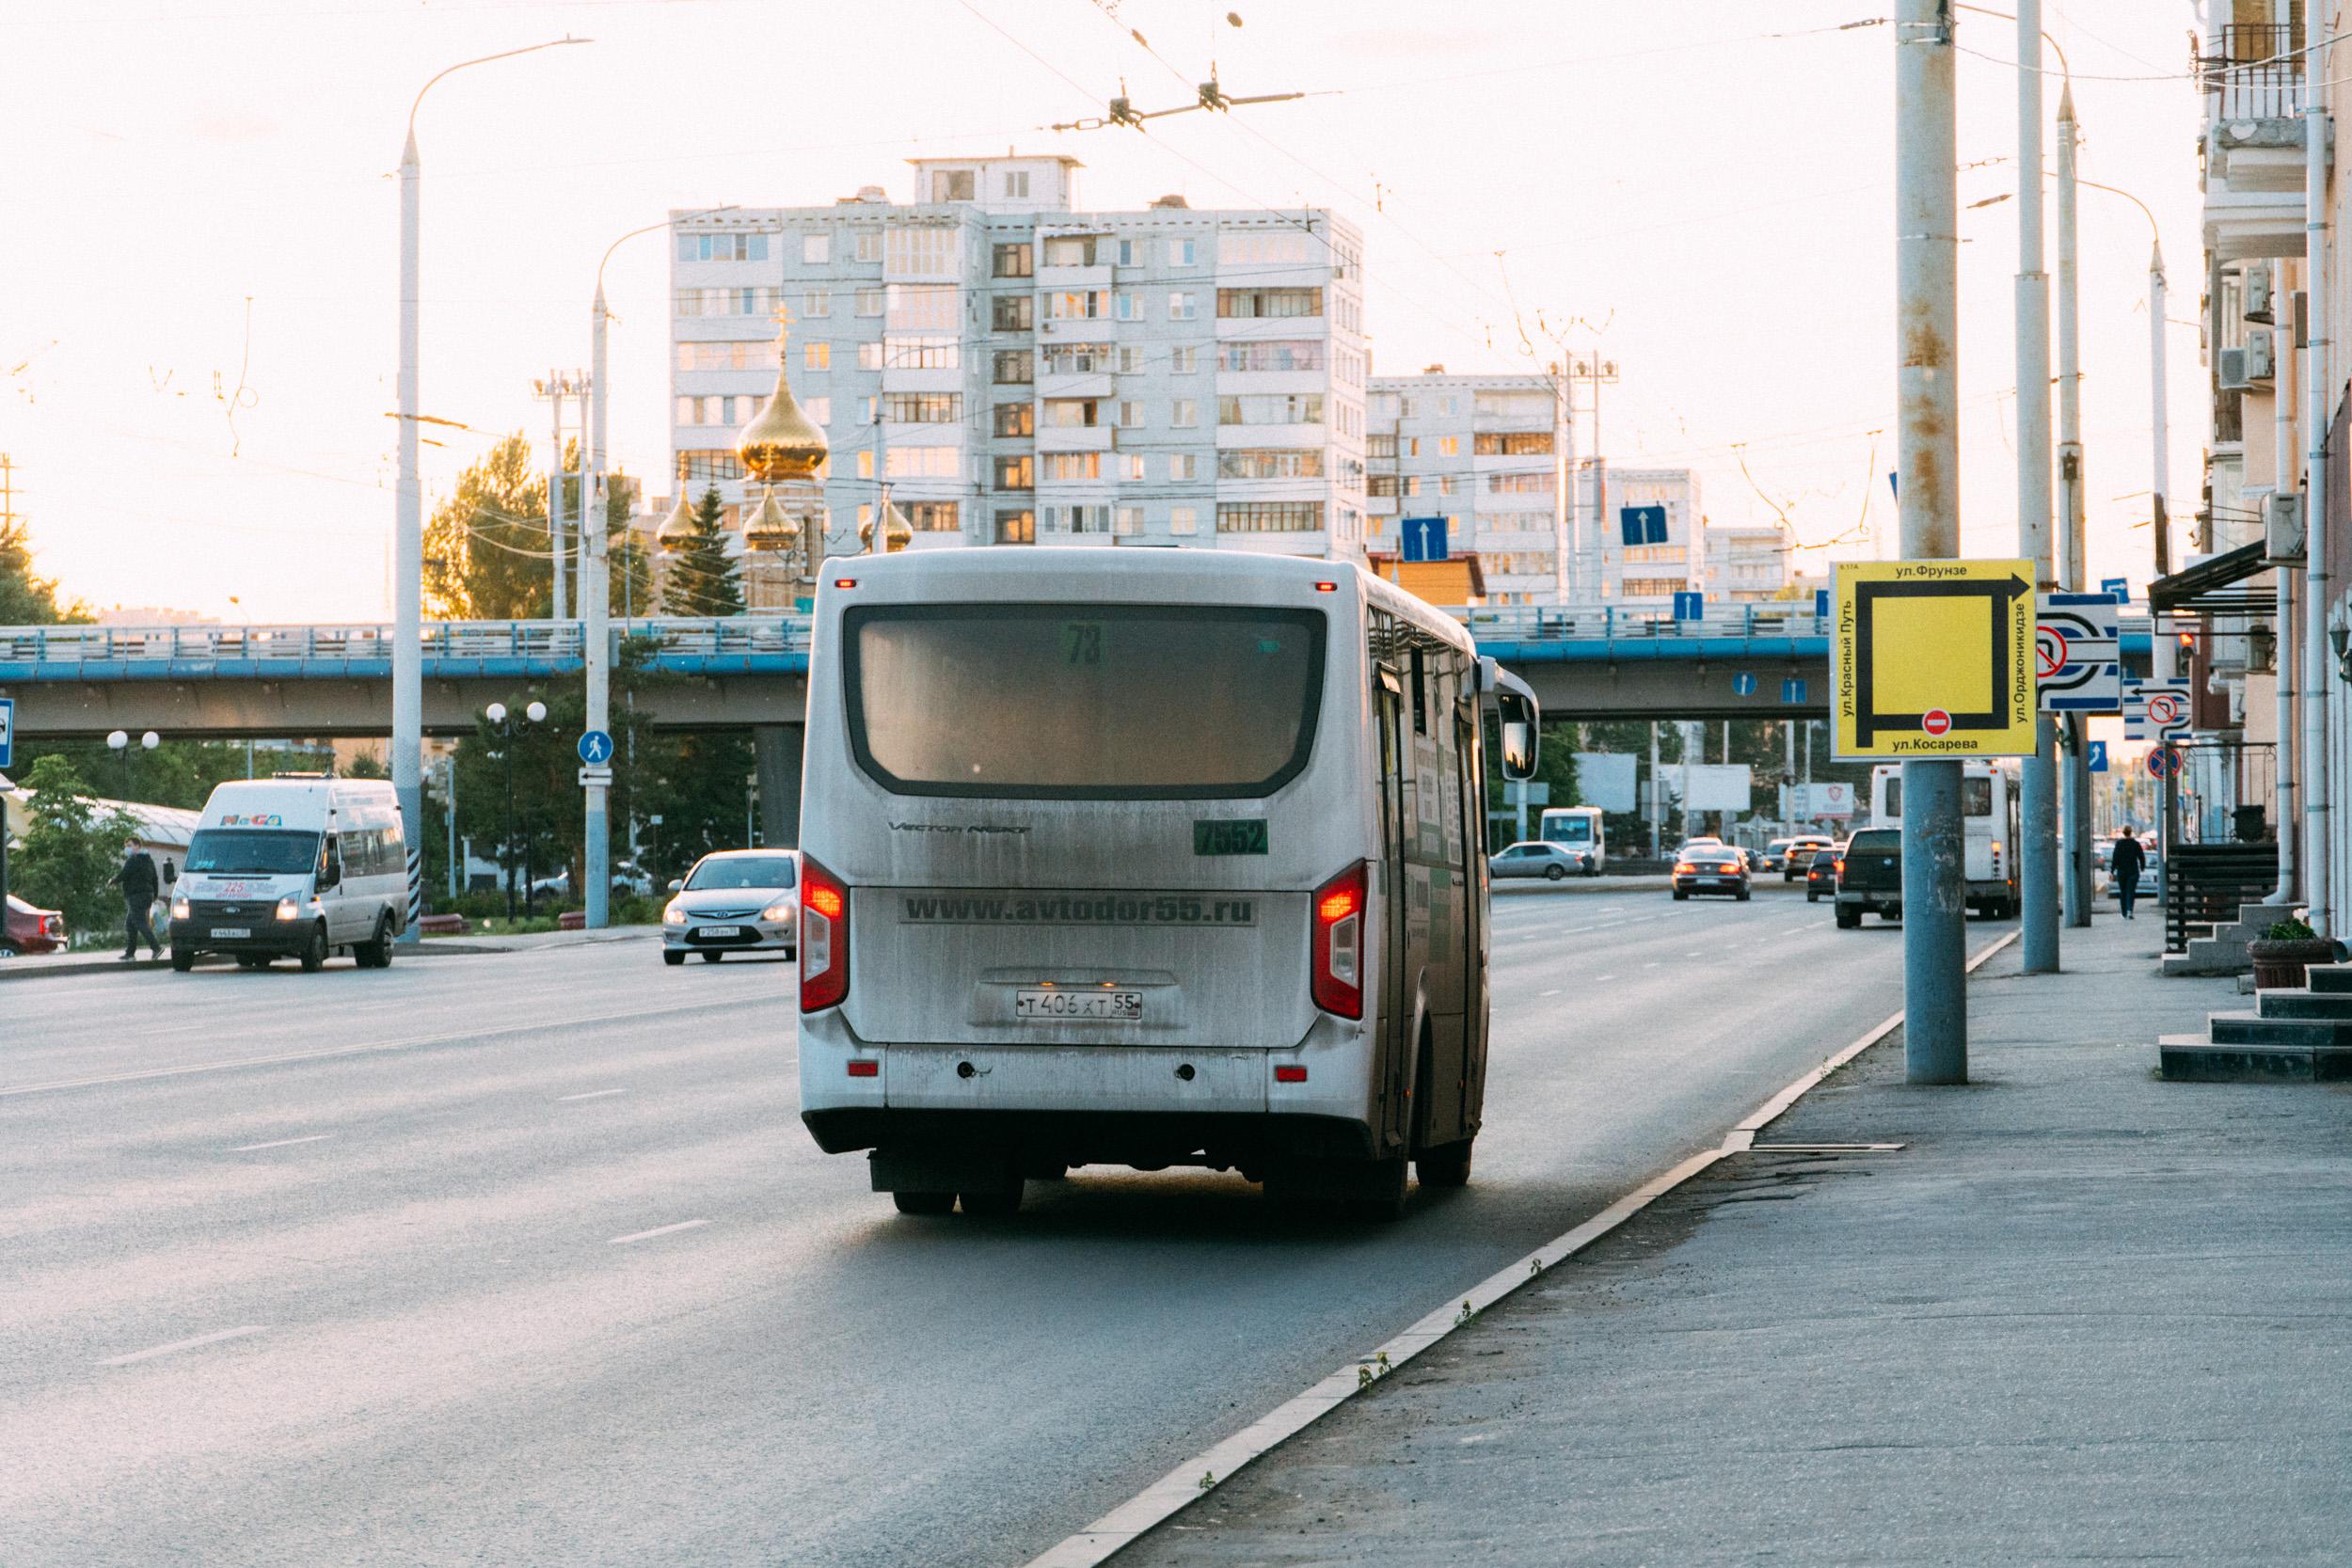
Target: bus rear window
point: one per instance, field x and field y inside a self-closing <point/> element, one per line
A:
<point x="1082" y="701"/>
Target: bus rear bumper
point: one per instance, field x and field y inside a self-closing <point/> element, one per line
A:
<point x="913" y="1148"/>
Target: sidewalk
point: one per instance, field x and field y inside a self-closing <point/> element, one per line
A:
<point x="2081" y="1314"/>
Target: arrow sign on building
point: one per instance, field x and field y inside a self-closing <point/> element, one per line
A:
<point x="2078" y="654"/>
<point x="1933" y="658"/>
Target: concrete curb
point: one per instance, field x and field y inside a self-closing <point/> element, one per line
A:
<point x="95" y="963"/>
<point x="1195" y="1478"/>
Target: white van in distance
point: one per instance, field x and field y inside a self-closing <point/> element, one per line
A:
<point x="295" y="867"/>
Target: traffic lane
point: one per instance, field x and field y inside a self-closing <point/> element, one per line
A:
<point x="823" y="1379"/>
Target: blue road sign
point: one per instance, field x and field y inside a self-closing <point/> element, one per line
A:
<point x="1690" y="607"/>
<point x="2098" y="756"/>
<point x="1820" y="602"/>
<point x="596" y="748"/>
<point x="1792" y="690"/>
<point x="1424" y="538"/>
<point x="8" y="731"/>
<point x="1742" y="683"/>
<point x="1643" y="525"/>
<point x="2119" y="588"/>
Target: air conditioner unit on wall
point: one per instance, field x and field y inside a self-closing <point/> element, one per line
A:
<point x="2282" y="528"/>
<point x="2228" y="371"/>
<point x="2260" y="362"/>
<point x="2258" y="292"/>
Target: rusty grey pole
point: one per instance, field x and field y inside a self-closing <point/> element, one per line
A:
<point x="1927" y="360"/>
<point x="2038" y="855"/>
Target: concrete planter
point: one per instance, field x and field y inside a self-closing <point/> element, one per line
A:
<point x="2280" y="965"/>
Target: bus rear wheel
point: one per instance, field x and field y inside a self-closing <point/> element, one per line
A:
<point x="1446" y="1166"/>
<point x="990" y="1203"/>
<point x="924" y="1203"/>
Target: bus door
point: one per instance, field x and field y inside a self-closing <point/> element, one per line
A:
<point x="1395" y="884"/>
<point x="1471" y="791"/>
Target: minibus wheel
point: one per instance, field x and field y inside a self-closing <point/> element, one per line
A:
<point x="990" y="1203"/>
<point x="314" y="950"/>
<point x="924" y="1203"/>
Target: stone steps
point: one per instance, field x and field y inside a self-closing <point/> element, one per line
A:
<point x="2293" y="1036"/>
<point x="2195" y="1060"/>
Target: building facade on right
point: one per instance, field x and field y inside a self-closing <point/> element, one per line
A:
<point x="1746" y="564"/>
<point x="1489" y="456"/>
<point x="1650" y="530"/>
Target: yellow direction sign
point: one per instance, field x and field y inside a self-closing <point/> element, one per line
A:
<point x="1934" y="659"/>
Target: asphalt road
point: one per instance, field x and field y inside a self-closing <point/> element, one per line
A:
<point x="526" y="1259"/>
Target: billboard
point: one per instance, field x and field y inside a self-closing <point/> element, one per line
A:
<point x="1605" y="779"/>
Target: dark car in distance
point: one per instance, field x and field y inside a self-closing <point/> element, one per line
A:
<point x="1820" y="874"/>
<point x="1870" y="876"/>
<point x="1710" y="868"/>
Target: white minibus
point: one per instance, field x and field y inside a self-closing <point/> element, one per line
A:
<point x="1145" y="857"/>
<point x="293" y="866"/>
<point x="1577" y="828"/>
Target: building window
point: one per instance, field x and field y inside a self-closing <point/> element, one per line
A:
<point x="1016" y="528"/>
<point x="923" y="308"/>
<point x="869" y="355"/>
<point x="1015" y="367"/>
<point x="1655" y="587"/>
<point x="815" y="249"/>
<point x="1183" y="519"/>
<point x="1183" y="413"/>
<point x="1129" y="467"/>
<point x="1069" y="305"/>
<point x="951" y="184"/>
<point x="1270" y="353"/>
<point x="1183" y="360"/>
<point x="1381" y="485"/>
<point x="934" y="516"/>
<point x="1130" y="358"/>
<point x="1088" y="519"/>
<point x="870" y="245"/>
<point x="1181" y="305"/>
<point x="1016" y="473"/>
<point x="1070" y="250"/>
<point x="922" y="354"/>
<point x="1013" y="260"/>
<point x="1270" y="409"/>
<point x="1511" y="443"/>
<point x="1130" y="307"/>
<point x="1127" y="520"/>
<point x="1012" y="312"/>
<point x="871" y="302"/>
<point x="728" y="302"/>
<point x="1445" y="485"/>
<point x="1131" y="416"/>
<point x="1016" y="419"/>
<point x="1270" y="463"/>
<point x="1653" y="555"/>
<point x="1072" y="413"/>
<point x="922" y="463"/>
<point x="922" y="407"/>
<point x="711" y="467"/>
<point x="1184" y="466"/>
<point x="1259" y="304"/>
<point x="1068" y="468"/>
<point x="818" y="409"/>
<point x="1379" y="446"/>
<point x="1412" y="446"/>
<point x="1131" y="253"/>
<point x="1017" y="183"/>
<point x="1179" y="253"/>
<point x="1078" y="358"/>
<point x="816" y="357"/>
<point x="722" y="247"/>
<point x="759" y="356"/>
<point x="1449" y="445"/>
<point x="1522" y="485"/>
<point x="1269" y="516"/>
<point x="866" y="464"/>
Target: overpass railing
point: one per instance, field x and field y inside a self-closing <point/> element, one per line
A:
<point x="552" y="642"/>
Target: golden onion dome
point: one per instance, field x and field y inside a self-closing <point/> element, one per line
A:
<point x="678" y="527"/>
<point x="782" y="442"/>
<point x="770" y="529"/>
<point x="897" y="532"/>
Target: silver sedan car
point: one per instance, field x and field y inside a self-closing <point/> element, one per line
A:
<point x="735" y="901"/>
<point x="1535" y="858"/>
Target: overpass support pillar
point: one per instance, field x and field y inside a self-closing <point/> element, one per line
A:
<point x="776" y="748"/>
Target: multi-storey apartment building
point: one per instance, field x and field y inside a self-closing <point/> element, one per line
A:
<point x="1649" y="535"/>
<point x="1745" y="564"/>
<point x="1489" y="454"/>
<point x="1022" y="371"/>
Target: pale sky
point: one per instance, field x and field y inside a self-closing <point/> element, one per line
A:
<point x="1709" y="205"/>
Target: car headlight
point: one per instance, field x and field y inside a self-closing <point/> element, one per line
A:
<point x="180" y="908"/>
<point x="673" y="916"/>
<point x="780" y="910"/>
<point x="290" y="908"/>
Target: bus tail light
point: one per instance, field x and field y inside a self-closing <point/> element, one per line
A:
<point x="1338" y="944"/>
<point x="1290" y="1074"/>
<point x="824" y="938"/>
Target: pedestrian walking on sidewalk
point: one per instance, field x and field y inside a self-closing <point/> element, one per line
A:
<point x="139" y="884"/>
<point x="2126" y="868"/>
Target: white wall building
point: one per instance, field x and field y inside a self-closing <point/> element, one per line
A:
<point x="1745" y="564"/>
<point x="1023" y="371"/>
<point x="1488" y="453"/>
<point x="1650" y="531"/>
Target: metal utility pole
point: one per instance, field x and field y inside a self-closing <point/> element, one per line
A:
<point x="2075" y="773"/>
<point x="2317" y="375"/>
<point x="2038" y="858"/>
<point x="1927" y="329"/>
<point x="555" y="388"/>
<point x="407" y="746"/>
<point x="595" y="595"/>
<point x="1656" y="847"/>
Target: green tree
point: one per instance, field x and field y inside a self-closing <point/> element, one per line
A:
<point x="487" y="556"/>
<point x="71" y="848"/>
<point x="27" y="599"/>
<point x="703" y="577"/>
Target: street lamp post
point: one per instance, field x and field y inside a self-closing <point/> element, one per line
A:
<point x="504" y="724"/>
<point x="409" y="519"/>
<point x="120" y="742"/>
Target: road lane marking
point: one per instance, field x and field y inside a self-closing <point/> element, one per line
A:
<point x="1155" y="1504"/>
<point x="281" y="1143"/>
<point x="1553" y="991"/>
<point x="591" y="1094"/>
<point x="656" y="1230"/>
<point x="179" y="1345"/>
<point x="413" y="1042"/>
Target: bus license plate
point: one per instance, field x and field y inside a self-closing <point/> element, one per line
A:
<point x="224" y="931"/>
<point x="1078" y="1007"/>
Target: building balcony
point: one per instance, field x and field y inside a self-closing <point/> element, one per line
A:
<point x="1082" y="438"/>
<point x="2253" y="144"/>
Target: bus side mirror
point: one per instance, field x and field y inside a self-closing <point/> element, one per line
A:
<point x="1518" y="715"/>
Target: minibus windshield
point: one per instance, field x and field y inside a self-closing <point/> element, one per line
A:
<point x="251" y="852"/>
<point x="1083" y="701"/>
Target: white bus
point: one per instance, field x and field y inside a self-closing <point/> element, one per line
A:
<point x="1989" y="798"/>
<point x="1144" y="857"/>
<point x="1576" y="828"/>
